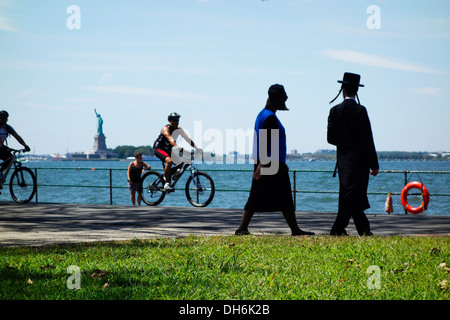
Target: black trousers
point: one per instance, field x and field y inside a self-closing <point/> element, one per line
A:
<point x="343" y="218"/>
<point x="6" y="156"/>
<point x="353" y="183"/>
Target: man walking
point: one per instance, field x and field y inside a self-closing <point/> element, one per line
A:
<point x="271" y="191"/>
<point x="350" y="131"/>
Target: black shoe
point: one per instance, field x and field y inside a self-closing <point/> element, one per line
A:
<point x="339" y="234"/>
<point x="242" y="232"/>
<point x="302" y="233"/>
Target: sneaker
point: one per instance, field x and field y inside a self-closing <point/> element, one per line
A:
<point x="168" y="187"/>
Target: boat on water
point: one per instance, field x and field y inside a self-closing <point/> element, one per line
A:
<point x="145" y="158"/>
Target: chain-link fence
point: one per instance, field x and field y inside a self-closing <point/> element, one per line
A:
<point x="313" y="190"/>
<point x="318" y="191"/>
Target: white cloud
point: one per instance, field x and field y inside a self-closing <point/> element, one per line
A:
<point x="6" y="25"/>
<point x="377" y="61"/>
<point x="430" y="91"/>
<point x="105" y="78"/>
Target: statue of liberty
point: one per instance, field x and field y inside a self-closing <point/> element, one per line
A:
<point x="100" y="123"/>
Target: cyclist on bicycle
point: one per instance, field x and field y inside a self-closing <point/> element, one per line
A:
<point x="166" y="141"/>
<point x="5" y="131"/>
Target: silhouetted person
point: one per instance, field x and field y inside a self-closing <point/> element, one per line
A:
<point x="271" y="186"/>
<point x="5" y="131"/>
<point x="350" y="131"/>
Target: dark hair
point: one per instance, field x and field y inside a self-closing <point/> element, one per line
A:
<point x="4" y="114"/>
<point x="350" y="90"/>
<point x="137" y="154"/>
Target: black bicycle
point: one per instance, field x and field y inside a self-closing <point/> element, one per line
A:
<point x="199" y="186"/>
<point x="22" y="184"/>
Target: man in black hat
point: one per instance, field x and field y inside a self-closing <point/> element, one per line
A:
<point x="350" y="131"/>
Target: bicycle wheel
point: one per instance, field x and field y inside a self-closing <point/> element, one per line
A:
<point x="152" y="188"/>
<point x="22" y="185"/>
<point x="200" y="189"/>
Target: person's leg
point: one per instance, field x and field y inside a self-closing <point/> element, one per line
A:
<point x="341" y="222"/>
<point x="291" y="220"/>
<point x="362" y="223"/>
<point x="168" y="169"/>
<point x="245" y="221"/>
<point x="133" y="197"/>
<point x="343" y="215"/>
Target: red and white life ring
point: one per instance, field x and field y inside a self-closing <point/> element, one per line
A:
<point x="425" y="197"/>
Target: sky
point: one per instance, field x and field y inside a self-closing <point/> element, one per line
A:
<point x="212" y="61"/>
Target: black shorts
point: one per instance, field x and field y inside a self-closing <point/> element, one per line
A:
<point x="6" y="156"/>
<point x="161" y="154"/>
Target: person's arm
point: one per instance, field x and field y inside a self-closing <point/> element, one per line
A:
<point x="146" y="166"/>
<point x="20" y="140"/>
<point x="188" y="139"/>
<point x="331" y="129"/>
<point x="128" y="173"/>
<point x="367" y="138"/>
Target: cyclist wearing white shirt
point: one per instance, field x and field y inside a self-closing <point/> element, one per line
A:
<point x="5" y="131"/>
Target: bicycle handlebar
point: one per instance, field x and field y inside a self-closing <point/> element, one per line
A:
<point x="15" y="150"/>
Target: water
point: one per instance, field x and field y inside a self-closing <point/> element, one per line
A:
<point x="60" y="181"/>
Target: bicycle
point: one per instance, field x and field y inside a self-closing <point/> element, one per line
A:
<point x="199" y="187"/>
<point x="22" y="184"/>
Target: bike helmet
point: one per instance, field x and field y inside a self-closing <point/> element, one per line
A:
<point x="4" y="114"/>
<point x="173" y="116"/>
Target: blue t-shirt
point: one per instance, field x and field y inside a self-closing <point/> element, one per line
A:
<point x="259" y="124"/>
<point x="5" y="131"/>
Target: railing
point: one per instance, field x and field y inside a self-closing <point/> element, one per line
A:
<point x="313" y="190"/>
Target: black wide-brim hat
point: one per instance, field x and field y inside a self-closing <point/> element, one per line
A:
<point x="351" y="79"/>
<point x="278" y="95"/>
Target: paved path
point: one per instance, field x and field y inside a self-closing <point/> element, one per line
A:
<point x="42" y="224"/>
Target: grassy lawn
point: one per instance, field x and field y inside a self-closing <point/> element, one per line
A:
<point x="229" y="267"/>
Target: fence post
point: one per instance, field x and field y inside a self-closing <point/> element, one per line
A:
<point x="110" y="186"/>
<point x="406" y="182"/>
<point x="35" y="174"/>
<point x="295" y="192"/>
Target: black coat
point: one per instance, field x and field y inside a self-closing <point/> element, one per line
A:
<point x="350" y="131"/>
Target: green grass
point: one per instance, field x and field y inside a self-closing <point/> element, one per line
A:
<point x="250" y="267"/>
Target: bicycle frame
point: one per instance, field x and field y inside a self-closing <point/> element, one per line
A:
<point x="184" y="167"/>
